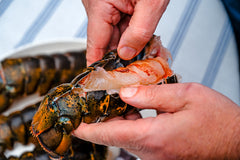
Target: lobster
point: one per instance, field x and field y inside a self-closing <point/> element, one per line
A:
<point x="15" y="128"/>
<point x="26" y="75"/>
<point x="92" y="96"/>
<point x="83" y="150"/>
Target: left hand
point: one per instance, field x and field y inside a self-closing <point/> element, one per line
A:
<point x="123" y="24"/>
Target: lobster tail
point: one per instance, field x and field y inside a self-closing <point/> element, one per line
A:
<point x="24" y="76"/>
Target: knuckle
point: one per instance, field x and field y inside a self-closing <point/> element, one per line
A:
<point x="191" y="89"/>
<point x="105" y="139"/>
<point x="143" y="34"/>
<point x="150" y="94"/>
<point x="115" y="18"/>
<point x="135" y="37"/>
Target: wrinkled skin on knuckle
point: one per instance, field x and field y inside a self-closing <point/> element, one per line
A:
<point x="150" y="94"/>
<point x="160" y="143"/>
<point x="110" y="14"/>
<point x="191" y="91"/>
<point x="141" y="33"/>
<point x="139" y="147"/>
<point x="197" y="93"/>
<point x="106" y="140"/>
<point x="151" y="148"/>
<point x="124" y="6"/>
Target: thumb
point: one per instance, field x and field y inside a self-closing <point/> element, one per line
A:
<point x="141" y="27"/>
<point x="163" y="98"/>
<point x="119" y="133"/>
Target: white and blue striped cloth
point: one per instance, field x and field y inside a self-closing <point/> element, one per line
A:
<point x="197" y="32"/>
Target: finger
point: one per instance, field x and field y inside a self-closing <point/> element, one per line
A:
<point x="123" y="133"/>
<point x="114" y="39"/>
<point x="141" y="27"/>
<point x="117" y="32"/>
<point x="115" y="118"/>
<point x="100" y="28"/>
<point x="97" y="42"/>
<point x="133" y="116"/>
<point x="163" y="98"/>
<point x="123" y="24"/>
<point x="128" y="116"/>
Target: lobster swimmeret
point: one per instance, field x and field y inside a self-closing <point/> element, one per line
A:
<point x="92" y="96"/>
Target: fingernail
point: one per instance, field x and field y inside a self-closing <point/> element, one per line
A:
<point x="127" y="52"/>
<point x="128" y="92"/>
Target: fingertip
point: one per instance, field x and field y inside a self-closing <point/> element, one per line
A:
<point x="127" y="53"/>
<point x="131" y="43"/>
<point x="140" y="30"/>
<point x="79" y="130"/>
<point x="128" y="92"/>
<point x="94" y="54"/>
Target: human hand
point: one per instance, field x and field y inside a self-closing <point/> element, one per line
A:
<point x="193" y="122"/>
<point x="123" y="24"/>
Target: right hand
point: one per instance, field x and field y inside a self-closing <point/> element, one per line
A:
<point x="194" y="122"/>
<point x="123" y="24"/>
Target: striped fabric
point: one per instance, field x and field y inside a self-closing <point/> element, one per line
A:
<point x="197" y="32"/>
